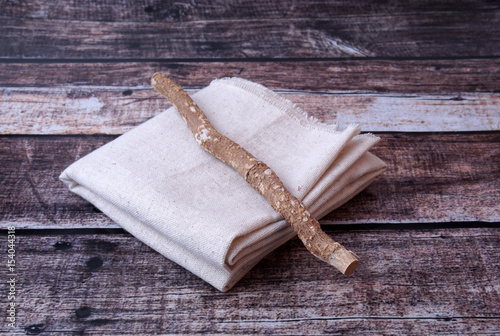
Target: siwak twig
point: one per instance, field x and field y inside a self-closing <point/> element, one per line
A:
<point x="259" y="176"/>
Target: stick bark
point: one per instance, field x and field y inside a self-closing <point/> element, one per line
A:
<point x="259" y="176"/>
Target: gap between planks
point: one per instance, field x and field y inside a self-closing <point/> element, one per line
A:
<point x="332" y="228"/>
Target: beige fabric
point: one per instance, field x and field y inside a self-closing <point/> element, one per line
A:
<point x="159" y="185"/>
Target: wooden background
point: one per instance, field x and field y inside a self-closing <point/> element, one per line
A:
<point x="422" y="75"/>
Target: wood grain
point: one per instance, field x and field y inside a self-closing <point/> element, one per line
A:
<point x="83" y="69"/>
<point x="113" y="284"/>
<point x="109" y="110"/>
<point x="354" y="76"/>
<point x="441" y="34"/>
<point x="442" y="177"/>
<point x="178" y="11"/>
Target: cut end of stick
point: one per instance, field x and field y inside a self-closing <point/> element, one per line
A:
<point x="344" y="261"/>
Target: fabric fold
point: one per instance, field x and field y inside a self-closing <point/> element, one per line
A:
<point x="159" y="185"/>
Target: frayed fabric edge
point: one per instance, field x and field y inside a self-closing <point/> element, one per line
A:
<point x="289" y="107"/>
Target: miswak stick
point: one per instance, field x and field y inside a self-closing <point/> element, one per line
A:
<point x="259" y="176"/>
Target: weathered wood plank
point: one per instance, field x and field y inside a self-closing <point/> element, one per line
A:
<point x="441" y="34"/>
<point x="114" y="284"/>
<point x="146" y="11"/>
<point x="436" y="178"/>
<point x="354" y="326"/>
<point x="109" y="111"/>
<point x="373" y="76"/>
<point x="112" y="110"/>
<point x="316" y="326"/>
<point x="443" y="177"/>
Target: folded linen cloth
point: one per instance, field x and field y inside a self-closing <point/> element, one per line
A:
<point x="158" y="184"/>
